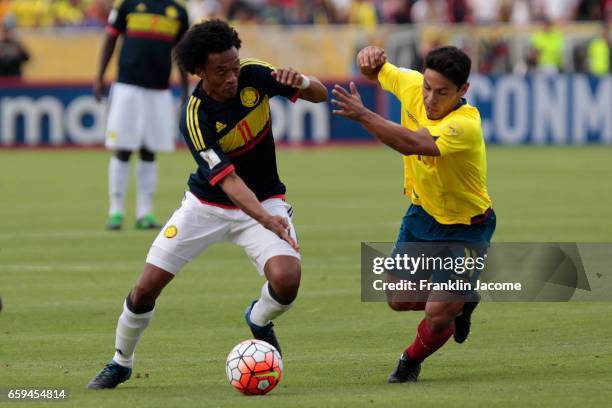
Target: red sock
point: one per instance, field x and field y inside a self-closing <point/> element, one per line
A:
<point x="426" y="342"/>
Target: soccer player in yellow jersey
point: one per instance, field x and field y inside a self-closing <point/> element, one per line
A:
<point x="441" y="140"/>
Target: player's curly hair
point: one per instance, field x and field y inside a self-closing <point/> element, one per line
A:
<point x="207" y="37"/>
<point x="451" y="62"/>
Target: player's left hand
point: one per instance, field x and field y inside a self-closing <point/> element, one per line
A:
<point x="350" y="104"/>
<point x="288" y="76"/>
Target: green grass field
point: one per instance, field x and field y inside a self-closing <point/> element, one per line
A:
<point x="63" y="279"/>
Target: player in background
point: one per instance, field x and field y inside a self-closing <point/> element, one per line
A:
<point x="234" y="195"/>
<point x="142" y="114"/>
<point x="441" y="140"/>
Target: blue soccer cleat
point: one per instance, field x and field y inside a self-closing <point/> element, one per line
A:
<point x="264" y="333"/>
<point x="111" y="376"/>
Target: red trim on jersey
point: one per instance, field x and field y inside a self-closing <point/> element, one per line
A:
<point x="151" y="35"/>
<point x="112" y="31"/>
<point x="480" y="218"/>
<point x="222" y="174"/>
<point x="295" y="97"/>
<point x="233" y="207"/>
<point x="248" y="147"/>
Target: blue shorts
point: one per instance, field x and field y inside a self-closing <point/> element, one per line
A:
<point x="421" y="235"/>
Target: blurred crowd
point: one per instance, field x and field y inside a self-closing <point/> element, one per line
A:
<point x="55" y="13"/>
<point x="548" y="49"/>
<point x="366" y="13"/>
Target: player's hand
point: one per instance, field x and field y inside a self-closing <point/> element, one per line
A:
<point x="350" y="104"/>
<point x="288" y="76"/>
<point x="280" y="226"/>
<point x="370" y="59"/>
<point x="99" y="89"/>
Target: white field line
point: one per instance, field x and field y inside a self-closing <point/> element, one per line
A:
<point x="71" y="234"/>
<point x="131" y="234"/>
<point x="53" y="268"/>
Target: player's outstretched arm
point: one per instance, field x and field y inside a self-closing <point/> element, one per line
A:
<point x="110" y="41"/>
<point x="399" y="138"/>
<point x="244" y="198"/>
<point x="311" y="89"/>
<point x="370" y="60"/>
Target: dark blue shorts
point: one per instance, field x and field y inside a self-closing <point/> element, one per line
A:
<point x="422" y="236"/>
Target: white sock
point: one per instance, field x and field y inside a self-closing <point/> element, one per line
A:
<point x="146" y="176"/>
<point x="118" y="177"/>
<point x="129" y="330"/>
<point x="266" y="308"/>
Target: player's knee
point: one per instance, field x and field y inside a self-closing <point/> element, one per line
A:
<point x="146" y="155"/>
<point x="285" y="281"/>
<point x="400" y="306"/>
<point x="123" y="155"/>
<point x="438" y="323"/>
<point x="142" y="299"/>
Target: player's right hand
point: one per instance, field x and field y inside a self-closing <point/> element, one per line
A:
<point x="370" y="59"/>
<point x="280" y="226"/>
<point x="98" y="90"/>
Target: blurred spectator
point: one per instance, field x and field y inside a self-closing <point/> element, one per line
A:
<point x="607" y="8"/>
<point x="429" y="11"/>
<point x="459" y="11"/>
<point x="589" y="10"/>
<point x="203" y="9"/>
<point x="363" y="13"/>
<point x="485" y="11"/>
<point x="396" y="11"/>
<point x="324" y="12"/>
<point x="5" y="8"/>
<point x="241" y="11"/>
<point x="96" y="12"/>
<point x="495" y="56"/>
<point x="68" y="13"/>
<point x="12" y="53"/>
<point x="554" y="10"/>
<point x="547" y="44"/>
<point x="342" y="8"/>
<point x="521" y="12"/>
<point x="598" y="53"/>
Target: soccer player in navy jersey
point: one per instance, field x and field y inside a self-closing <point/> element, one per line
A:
<point x="142" y="113"/>
<point x="234" y="195"/>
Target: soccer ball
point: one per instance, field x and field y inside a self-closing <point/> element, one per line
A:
<point x="254" y="367"/>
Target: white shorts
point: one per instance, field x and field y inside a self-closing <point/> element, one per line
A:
<point x="140" y="117"/>
<point x="195" y="226"/>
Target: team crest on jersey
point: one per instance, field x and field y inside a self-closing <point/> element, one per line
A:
<point x="452" y="130"/>
<point x="249" y="97"/>
<point x="170" y="231"/>
<point x="220" y="126"/>
<point x="112" y="135"/>
<point x="171" y="12"/>
<point x="141" y="8"/>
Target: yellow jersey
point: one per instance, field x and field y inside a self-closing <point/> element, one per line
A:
<point x="452" y="188"/>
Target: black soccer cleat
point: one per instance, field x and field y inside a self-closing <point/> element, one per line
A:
<point x="463" y="321"/>
<point x="264" y="333"/>
<point x="111" y="376"/>
<point x="407" y="370"/>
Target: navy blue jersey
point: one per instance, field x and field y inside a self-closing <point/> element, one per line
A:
<point x="235" y="135"/>
<point x="150" y="29"/>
